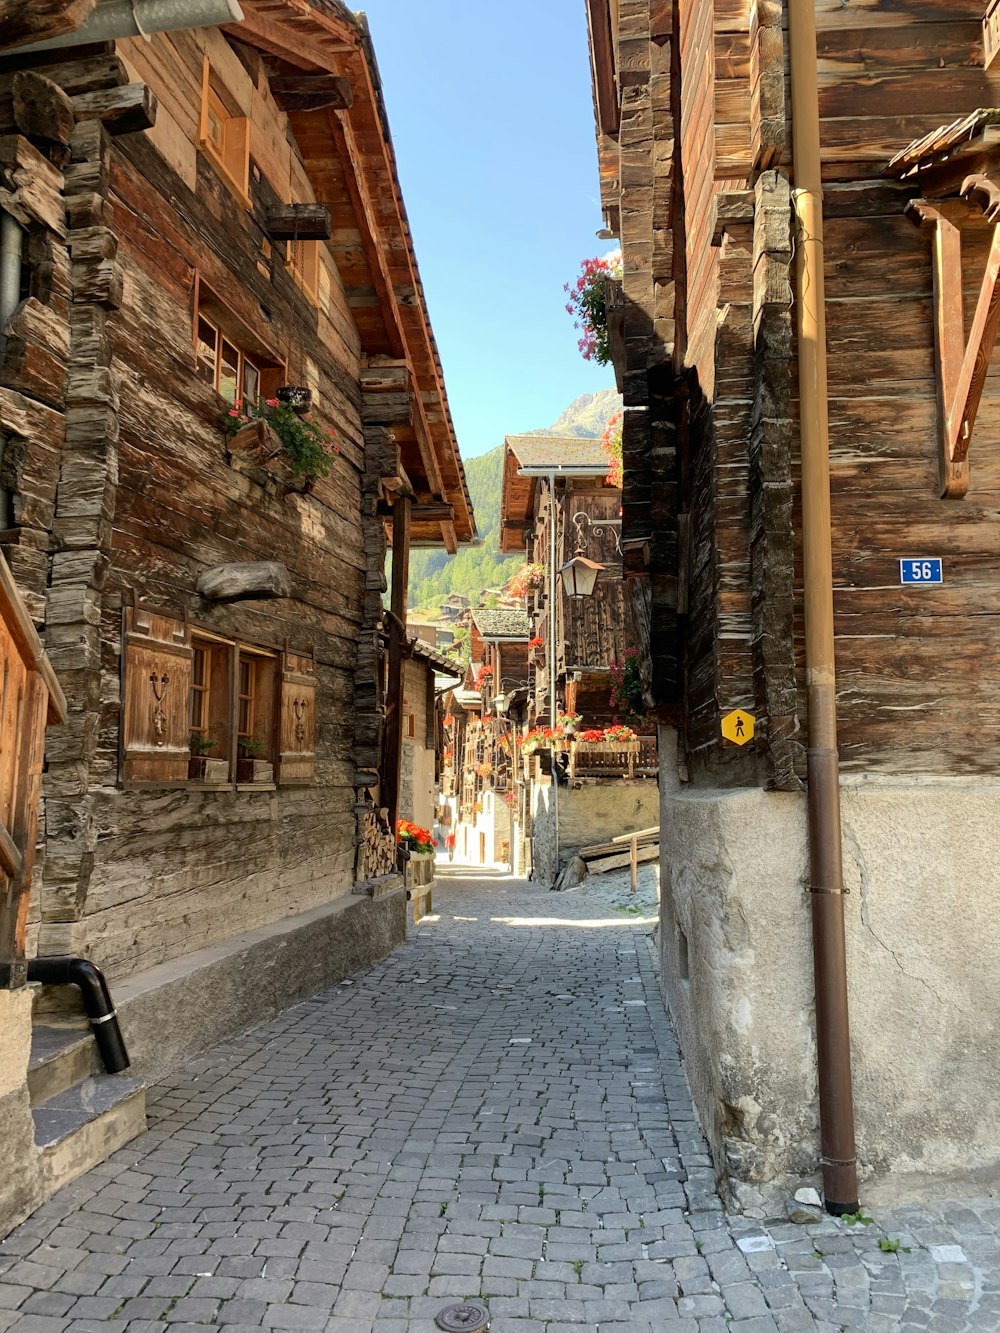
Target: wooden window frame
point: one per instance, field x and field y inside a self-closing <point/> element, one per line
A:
<point x="232" y="158"/>
<point x="272" y="372"/>
<point x="293" y="755"/>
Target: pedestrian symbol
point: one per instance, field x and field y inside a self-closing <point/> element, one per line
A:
<point x="738" y="726"/>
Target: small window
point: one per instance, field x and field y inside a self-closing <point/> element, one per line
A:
<point x="247" y="696"/>
<point x="200" y="686"/>
<point x="229" y="371"/>
<point x="211" y="692"/>
<point x="224" y="134"/>
<point x="224" y="361"/>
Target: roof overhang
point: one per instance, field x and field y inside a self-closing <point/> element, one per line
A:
<point x="349" y="158"/>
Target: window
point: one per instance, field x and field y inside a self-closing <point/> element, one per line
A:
<point x="189" y="694"/>
<point x="226" y="358"/>
<point x="200" y="684"/>
<point x="246" y="696"/>
<point x="231" y="372"/>
<point x="224" y="133"/>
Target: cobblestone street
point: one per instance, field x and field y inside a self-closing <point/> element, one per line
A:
<point x="496" y="1111"/>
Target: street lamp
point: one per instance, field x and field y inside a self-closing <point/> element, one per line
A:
<point x="579" y="577"/>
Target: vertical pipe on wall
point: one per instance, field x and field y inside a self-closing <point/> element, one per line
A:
<point x="833" y="1042"/>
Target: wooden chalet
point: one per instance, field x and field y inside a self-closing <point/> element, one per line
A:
<point x="552" y="479"/>
<point x="193" y="219"/>
<point x="592" y="631"/>
<point x="808" y="200"/>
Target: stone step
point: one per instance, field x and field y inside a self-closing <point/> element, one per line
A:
<point x="82" y="1125"/>
<point x="60" y="1057"/>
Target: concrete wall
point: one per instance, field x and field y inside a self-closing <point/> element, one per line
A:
<point x="923" y="942"/>
<point x="20" y="1181"/>
<point x="589" y="812"/>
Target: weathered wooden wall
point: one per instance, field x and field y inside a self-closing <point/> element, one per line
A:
<point x="121" y="461"/>
<point x="707" y="265"/>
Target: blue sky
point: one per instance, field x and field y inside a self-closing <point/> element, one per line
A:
<point x="492" y="122"/>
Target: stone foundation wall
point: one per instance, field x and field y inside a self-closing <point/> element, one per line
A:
<point x="923" y="944"/>
<point x="20" y="1180"/>
<point x="589" y="812"/>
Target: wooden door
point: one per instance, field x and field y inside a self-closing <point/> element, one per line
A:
<point x="30" y="696"/>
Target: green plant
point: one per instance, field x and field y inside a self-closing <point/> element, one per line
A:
<point x="309" y="447"/>
<point x="200" y="744"/>
<point x="858" y="1219"/>
<point x="588" y="304"/>
<point x="697" y="1246"/>
<point x="578" y="1266"/>
<point x="251" y="748"/>
<point x="888" y="1246"/>
<point x="626" y="686"/>
<point x="442" y="1210"/>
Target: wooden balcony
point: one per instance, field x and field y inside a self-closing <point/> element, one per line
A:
<point x="609" y="759"/>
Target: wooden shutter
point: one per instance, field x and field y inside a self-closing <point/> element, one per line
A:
<point x="297" y="720"/>
<point x="156" y="698"/>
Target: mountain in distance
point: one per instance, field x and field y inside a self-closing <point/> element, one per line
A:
<point x="435" y="574"/>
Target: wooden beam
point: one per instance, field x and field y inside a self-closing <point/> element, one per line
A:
<point x="298" y="48"/>
<point x="392" y="742"/>
<point x="123" y="110"/>
<point x="41" y="109"/>
<point x="433" y="511"/>
<point x="312" y="92"/>
<point x="298" y="222"/>
<point x="961" y="363"/>
<point x="40" y="20"/>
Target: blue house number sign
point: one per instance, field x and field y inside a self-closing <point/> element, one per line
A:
<point x="920" y="570"/>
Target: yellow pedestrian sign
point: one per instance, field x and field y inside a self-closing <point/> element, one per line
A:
<point x="737" y="726"/>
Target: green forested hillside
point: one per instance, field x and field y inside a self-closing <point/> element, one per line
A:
<point x="435" y="574"/>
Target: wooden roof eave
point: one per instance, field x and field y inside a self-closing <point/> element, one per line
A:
<point x="317" y="39"/>
<point x="517" y="505"/>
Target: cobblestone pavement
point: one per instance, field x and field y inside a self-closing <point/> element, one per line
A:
<point x="496" y="1111"/>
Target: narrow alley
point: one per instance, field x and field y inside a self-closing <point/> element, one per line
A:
<point x="521" y="1134"/>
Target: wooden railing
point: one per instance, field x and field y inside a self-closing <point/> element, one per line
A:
<point x="628" y="759"/>
<point x="30" y="695"/>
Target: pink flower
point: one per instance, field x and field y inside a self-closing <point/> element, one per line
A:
<point x="233" y="412"/>
<point x="272" y="402"/>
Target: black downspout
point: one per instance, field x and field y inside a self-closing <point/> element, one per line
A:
<point x="96" y="1002"/>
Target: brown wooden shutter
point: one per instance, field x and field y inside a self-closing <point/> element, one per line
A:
<point x="297" y="720"/>
<point x="156" y="698"/>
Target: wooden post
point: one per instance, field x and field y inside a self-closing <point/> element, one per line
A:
<point x="633" y="861"/>
<point x="392" y="744"/>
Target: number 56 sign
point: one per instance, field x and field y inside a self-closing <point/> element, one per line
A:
<point x="920" y="569"/>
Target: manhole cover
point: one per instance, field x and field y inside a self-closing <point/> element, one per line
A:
<point x="468" y="1317"/>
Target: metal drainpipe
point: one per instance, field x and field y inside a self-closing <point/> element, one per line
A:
<point x="833" y="1040"/>
<point x="141" y="18"/>
<point x="553" y="521"/>
<point x="11" y="241"/>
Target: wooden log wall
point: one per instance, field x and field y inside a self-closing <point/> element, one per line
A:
<point x="147" y="496"/>
<point x="596" y="628"/>
<point x="704" y="254"/>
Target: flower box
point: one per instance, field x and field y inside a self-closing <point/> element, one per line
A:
<point x="256" y="452"/>
<point x="254" y="770"/>
<point x="420" y="869"/>
<point x="203" y="769"/>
